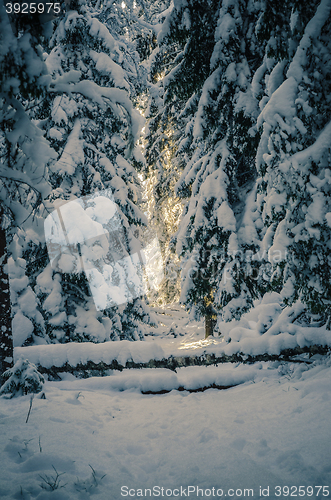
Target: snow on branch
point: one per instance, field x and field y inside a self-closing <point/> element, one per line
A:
<point x="313" y="30"/>
<point x="92" y="91"/>
<point x="316" y="150"/>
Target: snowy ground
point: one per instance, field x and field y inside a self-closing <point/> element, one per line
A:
<point x="108" y="440"/>
<point x="271" y="430"/>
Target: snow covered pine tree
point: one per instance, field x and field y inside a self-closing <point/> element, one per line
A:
<point x="207" y="127"/>
<point x="293" y="159"/>
<point x="24" y="154"/>
<point x="93" y="126"/>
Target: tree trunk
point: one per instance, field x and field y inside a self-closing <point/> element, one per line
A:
<point x="210" y="322"/>
<point x="6" y="336"/>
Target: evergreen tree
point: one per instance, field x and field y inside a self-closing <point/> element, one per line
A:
<point x="23" y="378"/>
<point x="24" y="156"/>
<point x="207" y="129"/>
<point x="293" y="159"/>
<point x="93" y="126"/>
<point x="134" y="25"/>
<point x="175" y="72"/>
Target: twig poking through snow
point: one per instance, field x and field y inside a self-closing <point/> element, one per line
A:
<point x="53" y="482"/>
<point x="28" y="415"/>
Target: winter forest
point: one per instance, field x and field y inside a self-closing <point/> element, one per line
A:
<point x="165" y="248"/>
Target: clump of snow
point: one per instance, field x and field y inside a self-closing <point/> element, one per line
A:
<point x="270" y="328"/>
<point x="225" y="217"/>
<point x="106" y="66"/>
<point x="312" y="31"/>
<point x="100" y="31"/>
<point x="24" y="303"/>
<point x="22" y="328"/>
<point x="79" y="353"/>
<point x="73" y="153"/>
<point x="314" y="151"/>
<point x="280" y="103"/>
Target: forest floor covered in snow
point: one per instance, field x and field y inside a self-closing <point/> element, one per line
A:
<point x="133" y="432"/>
<point x="112" y="437"/>
<point x="272" y="430"/>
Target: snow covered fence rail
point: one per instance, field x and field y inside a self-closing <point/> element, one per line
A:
<point x="88" y="359"/>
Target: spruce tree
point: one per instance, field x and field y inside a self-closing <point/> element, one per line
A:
<point x="293" y="160"/>
<point x="24" y="157"/>
<point x="177" y="72"/>
<point x="91" y="123"/>
<point x="207" y="130"/>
